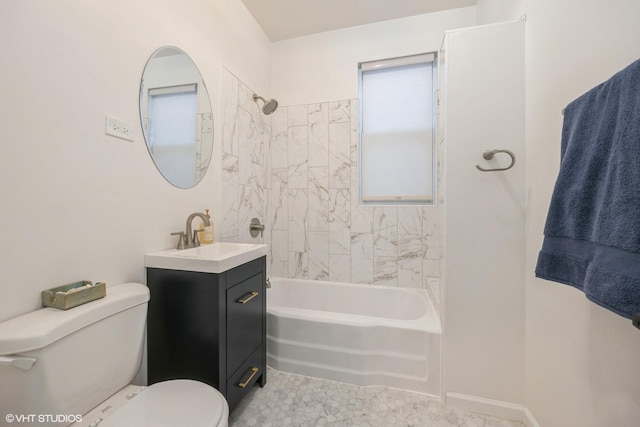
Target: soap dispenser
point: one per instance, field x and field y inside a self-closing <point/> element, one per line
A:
<point x="205" y="233"/>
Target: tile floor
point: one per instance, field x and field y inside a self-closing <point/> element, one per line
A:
<point x="294" y="400"/>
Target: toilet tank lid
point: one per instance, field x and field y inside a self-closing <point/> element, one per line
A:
<point x="40" y="328"/>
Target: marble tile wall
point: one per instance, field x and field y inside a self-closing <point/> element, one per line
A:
<point x="296" y="171"/>
<point x="245" y="168"/>
<point x="319" y="231"/>
<point x="204" y="124"/>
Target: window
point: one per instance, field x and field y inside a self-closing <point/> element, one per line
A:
<point x="397" y="130"/>
<point x="172" y="115"/>
<point x="172" y="132"/>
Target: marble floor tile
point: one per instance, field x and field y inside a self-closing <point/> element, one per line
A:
<point x="295" y="400"/>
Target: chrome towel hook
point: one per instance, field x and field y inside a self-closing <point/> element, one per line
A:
<point x="488" y="155"/>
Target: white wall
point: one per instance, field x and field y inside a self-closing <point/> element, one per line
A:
<point x="484" y="217"/>
<point x="492" y="11"/>
<point x="581" y="360"/>
<point x="324" y="67"/>
<point x="77" y="204"/>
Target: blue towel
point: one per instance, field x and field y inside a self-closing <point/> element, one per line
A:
<point x="592" y="233"/>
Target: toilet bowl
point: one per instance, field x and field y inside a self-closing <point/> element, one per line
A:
<point x="78" y="365"/>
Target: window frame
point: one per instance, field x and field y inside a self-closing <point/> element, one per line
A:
<point x="413" y="200"/>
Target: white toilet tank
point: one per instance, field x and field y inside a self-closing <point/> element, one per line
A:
<point x="83" y="355"/>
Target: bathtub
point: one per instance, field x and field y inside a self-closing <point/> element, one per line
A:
<point x="358" y="334"/>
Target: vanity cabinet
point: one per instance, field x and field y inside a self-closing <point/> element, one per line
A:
<point x="209" y="327"/>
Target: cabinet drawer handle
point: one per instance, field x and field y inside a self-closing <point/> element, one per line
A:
<point x="245" y="299"/>
<point x="253" y="371"/>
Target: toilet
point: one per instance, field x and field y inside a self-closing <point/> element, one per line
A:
<point x="75" y="367"/>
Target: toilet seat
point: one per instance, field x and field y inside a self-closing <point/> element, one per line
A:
<point x="174" y="403"/>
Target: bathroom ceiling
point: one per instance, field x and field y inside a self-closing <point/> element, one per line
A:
<point x="284" y="19"/>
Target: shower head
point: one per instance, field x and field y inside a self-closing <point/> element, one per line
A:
<point x="269" y="105"/>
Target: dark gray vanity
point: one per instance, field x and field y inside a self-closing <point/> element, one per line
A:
<point x="208" y="326"/>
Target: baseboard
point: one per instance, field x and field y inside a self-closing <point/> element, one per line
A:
<point x="494" y="408"/>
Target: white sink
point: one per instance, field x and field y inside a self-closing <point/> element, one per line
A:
<point x="215" y="258"/>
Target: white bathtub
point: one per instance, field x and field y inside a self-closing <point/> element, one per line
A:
<point x="358" y="334"/>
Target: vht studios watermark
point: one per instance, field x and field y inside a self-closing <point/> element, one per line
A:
<point x="43" y="418"/>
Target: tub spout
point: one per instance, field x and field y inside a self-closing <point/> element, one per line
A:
<point x="256" y="228"/>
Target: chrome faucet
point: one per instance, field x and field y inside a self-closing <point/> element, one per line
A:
<point x="195" y="241"/>
<point x="189" y="239"/>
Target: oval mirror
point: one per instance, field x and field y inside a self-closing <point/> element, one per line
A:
<point x="176" y="117"/>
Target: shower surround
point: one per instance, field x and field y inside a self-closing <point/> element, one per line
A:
<point x="296" y="170"/>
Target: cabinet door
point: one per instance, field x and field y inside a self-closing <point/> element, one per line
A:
<point x="185" y="326"/>
<point x="244" y="320"/>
